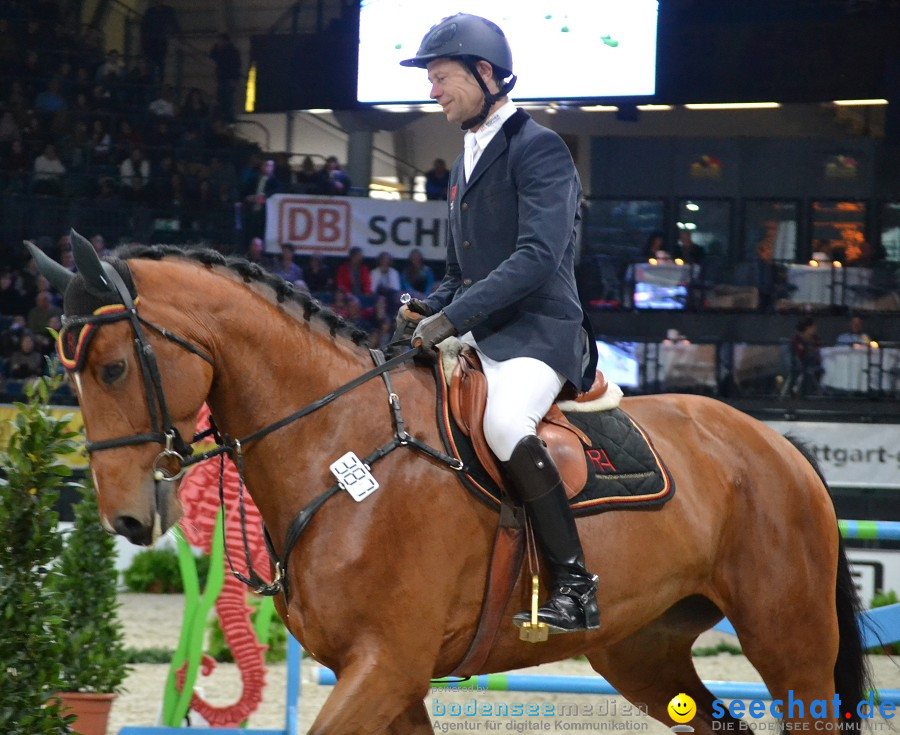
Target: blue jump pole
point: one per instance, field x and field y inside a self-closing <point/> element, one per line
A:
<point x="589" y="685"/>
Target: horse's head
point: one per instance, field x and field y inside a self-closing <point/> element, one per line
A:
<point x="139" y="383"/>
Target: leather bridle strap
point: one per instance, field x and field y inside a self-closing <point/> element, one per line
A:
<point x="163" y="430"/>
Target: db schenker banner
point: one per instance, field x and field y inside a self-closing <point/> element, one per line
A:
<point x="333" y="225"/>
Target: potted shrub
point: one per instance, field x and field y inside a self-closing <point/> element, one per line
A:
<point x="30" y="655"/>
<point x="94" y="660"/>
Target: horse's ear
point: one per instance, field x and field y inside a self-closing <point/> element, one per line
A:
<point x="89" y="266"/>
<point x="58" y="276"/>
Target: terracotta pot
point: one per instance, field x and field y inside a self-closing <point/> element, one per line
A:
<point x="92" y="711"/>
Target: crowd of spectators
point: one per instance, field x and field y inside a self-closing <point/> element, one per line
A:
<point x="79" y="122"/>
<point x="365" y="293"/>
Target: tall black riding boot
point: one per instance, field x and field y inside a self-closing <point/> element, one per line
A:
<point x="573" y="601"/>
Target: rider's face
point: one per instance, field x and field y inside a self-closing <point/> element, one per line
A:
<point x="455" y="90"/>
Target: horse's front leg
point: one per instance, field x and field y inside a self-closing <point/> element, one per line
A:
<point x="377" y="694"/>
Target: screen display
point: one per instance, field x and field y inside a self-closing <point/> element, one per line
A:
<point x="562" y="50"/>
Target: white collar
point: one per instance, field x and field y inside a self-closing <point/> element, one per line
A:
<point x="489" y="127"/>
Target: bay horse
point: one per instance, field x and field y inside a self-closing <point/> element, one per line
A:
<point x="387" y="591"/>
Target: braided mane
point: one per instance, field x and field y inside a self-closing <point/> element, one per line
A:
<point x="251" y="273"/>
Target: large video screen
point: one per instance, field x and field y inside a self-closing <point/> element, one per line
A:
<point x="562" y="50"/>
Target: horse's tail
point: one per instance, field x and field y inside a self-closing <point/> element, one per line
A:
<point x="852" y="678"/>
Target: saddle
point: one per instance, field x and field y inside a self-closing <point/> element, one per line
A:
<point x="565" y="442"/>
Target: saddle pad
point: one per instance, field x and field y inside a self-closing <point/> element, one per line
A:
<point x="624" y="470"/>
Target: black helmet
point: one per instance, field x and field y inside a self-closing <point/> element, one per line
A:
<point x="469" y="39"/>
<point x="463" y="36"/>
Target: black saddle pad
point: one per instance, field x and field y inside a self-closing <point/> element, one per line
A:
<point x="624" y="470"/>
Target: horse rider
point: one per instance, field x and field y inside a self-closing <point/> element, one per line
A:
<point x="509" y="287"/>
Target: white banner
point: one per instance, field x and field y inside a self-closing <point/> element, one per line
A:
<point x="332" y="225"/>
<point x="851" y="455"/>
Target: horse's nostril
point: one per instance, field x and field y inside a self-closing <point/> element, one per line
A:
<point x="132" y="529"/>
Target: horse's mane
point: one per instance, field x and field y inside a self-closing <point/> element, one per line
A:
<point x="250" y="273"/>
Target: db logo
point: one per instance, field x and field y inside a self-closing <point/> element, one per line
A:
<point x="314" y="224"/>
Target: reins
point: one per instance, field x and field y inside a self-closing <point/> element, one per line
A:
<point x="177" y="456"/>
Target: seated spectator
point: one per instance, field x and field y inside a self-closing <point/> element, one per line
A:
<point x="46" y="343"/>
<point x="353" y="276"/>
<point x="318" y="275"/>
<point x="335" y="180"/>
<point x="135" y="176"/>
<point x="11" y="337"/>
<point x="15" y="166"/>
<point x="286" y="268"/>
<point x="256" y="253"/>
<point x="164" y="105"/>
<point x="806" y="358"/>
<point x="106" y="191"/>
<point x="127" y="137"/>
<point x="99" y="243"/>
<point x="417" y="278"/>
<point x="101" y="143"/>
<point x="194" y="108"/>
<point x="688" y="250"/>
<point x="26" y="362"/>
<point x="139" y="85"/>
<point x="309" y="181"/>
<point x="437" y="180"/>
<point x="110" y="72"/>
<point x="9" y="128"/>
<point x="51" y="99"/>
<point x="386" y="280"/>
<point x="40" y="314"/>
<point x="13" y="300"/>
<point x="48" y="172"/>
<point x="656" y="247"/>
<point x="856" y="335"/>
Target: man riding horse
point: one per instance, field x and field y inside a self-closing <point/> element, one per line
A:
<point x="509" y="287"/>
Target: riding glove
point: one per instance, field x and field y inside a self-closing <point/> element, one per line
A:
<point x="433" y="330"/>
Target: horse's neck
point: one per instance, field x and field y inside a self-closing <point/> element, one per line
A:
<point x="278" y="367"/>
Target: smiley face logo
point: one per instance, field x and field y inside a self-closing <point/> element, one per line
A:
<point x="682" y="708"/>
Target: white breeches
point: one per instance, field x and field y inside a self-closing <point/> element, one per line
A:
<point x="520" y="392"/>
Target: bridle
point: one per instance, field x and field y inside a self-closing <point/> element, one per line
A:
<point x="178" y="454"/>
<point x="162" y="428"/>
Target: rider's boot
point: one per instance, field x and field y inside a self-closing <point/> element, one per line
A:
<point x="573" y="600"/>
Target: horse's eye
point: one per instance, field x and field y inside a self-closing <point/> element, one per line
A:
<point x="112" y="372"/>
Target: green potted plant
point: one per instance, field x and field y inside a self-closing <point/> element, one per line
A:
<point x="30" y="651"/>
<point x="94" y="660"/>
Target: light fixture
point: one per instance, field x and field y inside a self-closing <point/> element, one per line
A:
<point x="599" y="108"/>
<point x="853" y="103"/>
<point x="837" y="264"/>
<point x="814" y="263"/>
<point x="691" y="207"/>
<point x="679" y="261"/>
<point x="655" y="108"/>
<point x="734" y="106"/>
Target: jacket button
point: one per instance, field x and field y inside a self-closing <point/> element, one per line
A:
<point x="467" y="282"/>
<point x="467" y="244"/>
<point x="465" y="206"/>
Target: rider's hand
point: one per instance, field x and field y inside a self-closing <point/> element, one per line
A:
<point x="410" y="314"/>
<point x="432" y="330"/>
